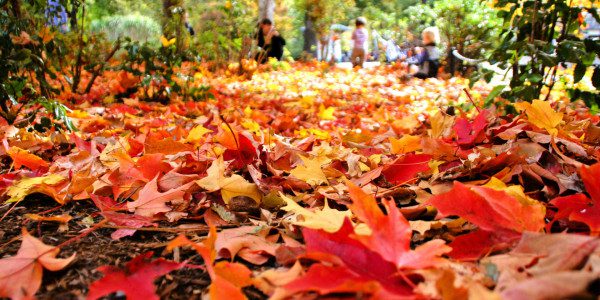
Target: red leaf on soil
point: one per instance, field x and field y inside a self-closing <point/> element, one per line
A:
<point x="579" y="207"/>
<point x="127" y="220"/>
<point x="21" y="275"/>
<point x="469" y="133"/>
<point x="136" y="280"/>
<point x="391" y="233"/>
<point x="405" y="168"/>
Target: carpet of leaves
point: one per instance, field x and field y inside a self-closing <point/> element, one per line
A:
<point x="305" y="182"/>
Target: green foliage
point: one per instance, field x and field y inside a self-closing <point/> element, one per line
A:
<point x="25" y="44"/>
<point x="540" y="38"/>
<point x="221" y="27"/>
<point x="157" y="67"/>
<point x="134" y="26"/>
<point x="470" y="26"/>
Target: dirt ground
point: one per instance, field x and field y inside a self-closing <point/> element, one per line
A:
<point x="96" y="249"/>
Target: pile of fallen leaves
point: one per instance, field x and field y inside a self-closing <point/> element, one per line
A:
<point x="311" y="181"/>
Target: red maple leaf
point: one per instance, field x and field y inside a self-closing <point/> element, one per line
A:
<point x="500" y="216"/>
<point x="579" y="207"/>
<point x="136" y="280"/>
<point x="392" y="233"/>
<point x="469" y="133"/>
<point x="359" y="264"/>
<point x="405" y="168"/>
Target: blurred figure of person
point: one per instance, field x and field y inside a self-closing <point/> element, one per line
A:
<point x="428" y="56"/>
<point x="270" y="42"/>
<point x="392" y="51"/>
<point x="187" y="25"/>
<point x="336" y="47"/>
<point x="329" y="48"/>
<point x="324" y="47"/>
<point x="360" y="38"/>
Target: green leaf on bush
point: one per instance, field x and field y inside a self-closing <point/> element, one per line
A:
<point x="579" y="72"/>
<point x="596" y="78"/>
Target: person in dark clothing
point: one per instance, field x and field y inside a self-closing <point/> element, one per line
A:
<point x="428" y="57"/>
<point x="270" y="42"/>
<point x="187" y="25"/>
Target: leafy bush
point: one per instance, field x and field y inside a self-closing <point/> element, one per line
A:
<point x="540" y="39"/>
<point x="26" y="96"/>
<point x="136" y="27"/>
<point x="470" y="26"/>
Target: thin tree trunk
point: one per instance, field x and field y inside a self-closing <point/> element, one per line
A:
<point x="310" y="36"/>
<point x="266" y="10"/>
<point x="16" y="8"/>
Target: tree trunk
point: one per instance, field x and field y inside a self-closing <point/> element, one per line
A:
<point x="310" y="36"/>
<point x="173" y="22"/>
<point x="16" y="8"/>
<point x="266" y="10"/>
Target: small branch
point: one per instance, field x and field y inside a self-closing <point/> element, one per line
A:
<point x="471" y="99"/>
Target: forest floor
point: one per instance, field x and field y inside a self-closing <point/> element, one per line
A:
<point x="320" y="182"/>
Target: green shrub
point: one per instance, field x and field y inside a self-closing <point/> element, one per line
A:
<point x="136" y="27"/>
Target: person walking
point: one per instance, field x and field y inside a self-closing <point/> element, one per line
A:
<point x="360" y="37"/>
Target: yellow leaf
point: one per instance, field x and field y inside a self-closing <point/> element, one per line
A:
<point x="327" y="219"/>
<point x="407" y="143"/>
<point x="440" y="124"/>
<point x="434" y="166"/>
<point x="310" y="172"/>
<point x="251" y="125"/>
<point x="27" y="186"/>
<point x="515" y="191"/>
<point x="326" y="113"/>
<point x="196" y="134"/>
<point x="230" y="187"/>
<point x="167" y="43"/>
<point x="541" y="114"/>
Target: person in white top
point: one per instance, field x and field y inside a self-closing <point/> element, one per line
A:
<point x="360" y="36"/>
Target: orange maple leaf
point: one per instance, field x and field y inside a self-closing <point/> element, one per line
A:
<point x="21" y="275"/>
<point x="150" y="201"/>
<point x="22" y="157"/>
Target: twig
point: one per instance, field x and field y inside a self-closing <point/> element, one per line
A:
<point x="471" y="99"/>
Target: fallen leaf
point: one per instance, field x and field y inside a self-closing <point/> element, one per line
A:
<point x="405" y="169"/>
<point x="136" y="280"/>
<point x="391" y="233"/>
<point x="150" y="201"/>
<point x="470" y="133"/>
<point x="541" y="114"/>
<point x="22" y="157"/>
<point x="327" y="218"/>
<point x="26" y="186"/>
<point x="548" y="266"/>
<point x="21" y="275"/>
<point x="230" y="187"/>
<point x="579" y="207"/>
<point x="310" y="171"/>
<point x="407" y="143"/>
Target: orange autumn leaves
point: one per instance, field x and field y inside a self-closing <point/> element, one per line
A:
<point x="437" y="186"/>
